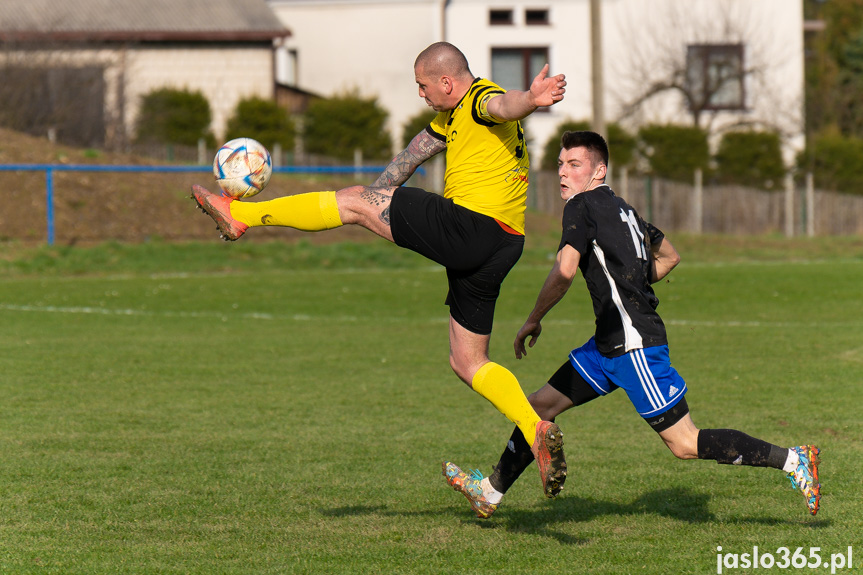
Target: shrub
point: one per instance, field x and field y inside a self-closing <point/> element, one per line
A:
<point x="262" y="120"/>
<point x="170" y="116"/>
<point x="752" y="158"/>
<point x="836" y="161"/>
<point x="415" y="124"/>
<point x="336" y="126"/>
<point x="621" y="145"/>
<point x="674" y="152"/>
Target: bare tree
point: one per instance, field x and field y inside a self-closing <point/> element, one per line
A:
<point x="706" y="60"/>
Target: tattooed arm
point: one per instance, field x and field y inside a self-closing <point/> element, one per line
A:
<point x="421" y="148"/>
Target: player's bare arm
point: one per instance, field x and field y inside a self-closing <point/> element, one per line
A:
<point x="544" y="91"/>
<point x="665" y="259"/>
<point x="422" y="147"/>
<point x="555" y="287"/>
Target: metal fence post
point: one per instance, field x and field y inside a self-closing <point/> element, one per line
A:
<point x="624" y="182"/>
<point x="437" y="174"/>
<point x="648" y="196"/>
<point x="358" y="163"/>
<point x="49" y="204"/>
<point x="698" y="202"/>
<point x="276" y="156"/>
<point x="810" y="205"/>
<point x="202" y="152"/>
<point x="789" y="205"/>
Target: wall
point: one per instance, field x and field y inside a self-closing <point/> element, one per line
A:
<point x="224" y="74"/>
<point x="370" y="47"/>
<point x="567" y="37"/>
<point x="645" y="42"/>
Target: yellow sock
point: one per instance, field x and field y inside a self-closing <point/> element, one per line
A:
<point x="498" y="385"/>
<point x="312" y="212"/>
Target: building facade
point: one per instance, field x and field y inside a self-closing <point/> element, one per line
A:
<point x="720" y="64"/>
<point x="83" y="65"/>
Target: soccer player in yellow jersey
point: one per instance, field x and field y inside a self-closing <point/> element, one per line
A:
<point x="475" y="230"/>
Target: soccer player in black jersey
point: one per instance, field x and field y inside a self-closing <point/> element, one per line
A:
<point x="620" y="256"/>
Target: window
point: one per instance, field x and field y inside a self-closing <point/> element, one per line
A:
<point x="500" y="17"/>
<point x="714" y="74"/>
<point x="286" y="66"/>
<point x="536" y="17"/>
<point x="515" y="68"/>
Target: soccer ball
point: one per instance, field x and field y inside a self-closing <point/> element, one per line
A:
<point x="242" y="168"/>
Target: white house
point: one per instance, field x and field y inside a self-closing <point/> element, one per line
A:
<point x="337" y="46"/>
<point x="725" y="62"/>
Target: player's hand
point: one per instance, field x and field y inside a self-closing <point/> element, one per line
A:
<point x="546" y="90"/>
<point x="530" y="329"/>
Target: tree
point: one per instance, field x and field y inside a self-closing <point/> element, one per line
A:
<point x="262" y="120"/>
<point x="850" y="86"/>
<point x="170" y="116"/>
<point x="833" y="70"/>
<point x="712" y="63"/>
<point x="836" y="160"/>
<point x="337" y="126"/>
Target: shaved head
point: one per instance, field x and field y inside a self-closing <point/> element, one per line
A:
<point x="443" y="59"/>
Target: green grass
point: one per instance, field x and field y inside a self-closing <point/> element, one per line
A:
<point x="270" y="408"/>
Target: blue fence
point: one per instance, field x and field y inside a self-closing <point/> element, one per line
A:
<point x="49" y="170"/>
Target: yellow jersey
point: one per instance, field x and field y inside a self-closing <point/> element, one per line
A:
<point x="486" y="158"/>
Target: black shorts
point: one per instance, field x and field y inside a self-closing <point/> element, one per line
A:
<point x="475" y="250"/>
<point x="568" y="381"/>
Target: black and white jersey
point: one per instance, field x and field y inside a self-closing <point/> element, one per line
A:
<point x="614" y="243"/>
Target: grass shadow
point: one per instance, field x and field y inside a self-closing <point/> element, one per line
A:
<point x="679" y="504"/>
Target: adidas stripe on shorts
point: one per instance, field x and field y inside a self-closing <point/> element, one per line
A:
<point x="653" y="386"/>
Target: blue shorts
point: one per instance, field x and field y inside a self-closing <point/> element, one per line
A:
<point x="653" y="386"/>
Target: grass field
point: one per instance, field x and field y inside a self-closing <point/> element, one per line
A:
<point x="267" y="408"/>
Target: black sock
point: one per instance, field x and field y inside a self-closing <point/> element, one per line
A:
<point x="515" y="459"/>
<point x="729" y="446"/>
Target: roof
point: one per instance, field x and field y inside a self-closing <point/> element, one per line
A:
<point x="138" y="20"/>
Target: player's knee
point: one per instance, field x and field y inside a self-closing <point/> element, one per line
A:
<point x="683" y="443"/>
<point x="460" y="369"/>
<point x="542" y="410"/>
<point x="548" y="402"/>
<point x="453" y="364"/>
<point x="683" y="451"/>
<point x="678" y="432"/>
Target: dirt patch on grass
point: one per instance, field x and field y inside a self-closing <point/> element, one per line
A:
<point x="92" y="207"/>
